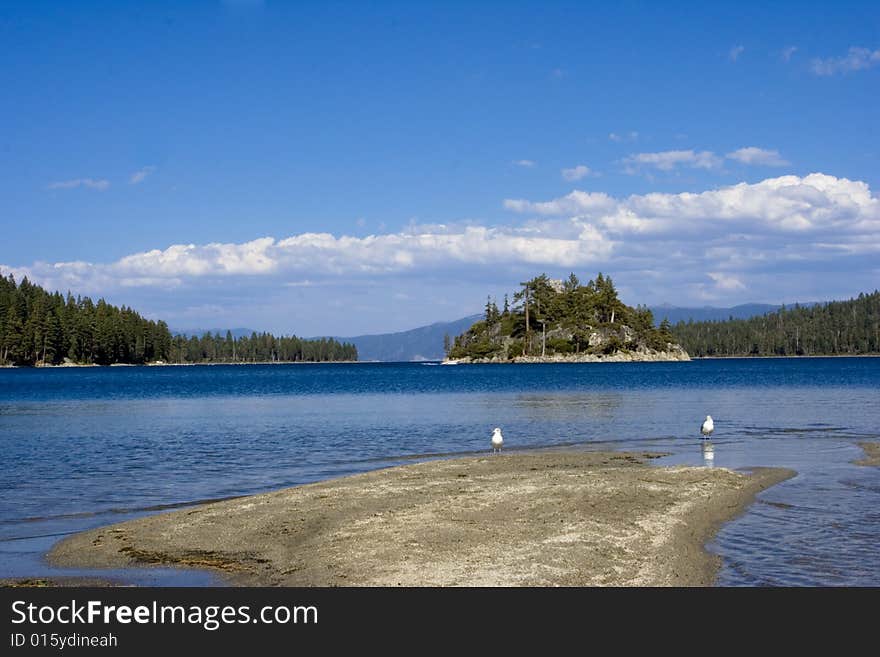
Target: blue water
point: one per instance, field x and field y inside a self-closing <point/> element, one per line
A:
<point x="83" y="447"/>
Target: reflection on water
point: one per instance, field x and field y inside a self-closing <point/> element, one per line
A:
<point x="86" y="448"/>
<point x="708" y="450"/>
<point x="558" y="406"/>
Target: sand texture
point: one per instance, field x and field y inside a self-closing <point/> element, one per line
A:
<point x="517" y="519"/>
<point x="872" y="454"/>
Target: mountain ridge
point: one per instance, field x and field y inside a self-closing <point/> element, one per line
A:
<point x="370" y="346"/>
<point x="425" y="343"/>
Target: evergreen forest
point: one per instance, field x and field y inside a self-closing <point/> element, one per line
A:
<point x="830" y="329"/>
<point x="47" y="328"/>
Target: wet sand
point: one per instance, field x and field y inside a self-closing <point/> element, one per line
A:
<point x="872" y="454"/>
<point x="536" y="519"/>
<point x="46" y="582"/>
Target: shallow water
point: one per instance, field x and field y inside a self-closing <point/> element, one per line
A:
<point x="86" y="447"/>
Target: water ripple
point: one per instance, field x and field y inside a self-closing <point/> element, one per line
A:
<point x="86" y="447"/>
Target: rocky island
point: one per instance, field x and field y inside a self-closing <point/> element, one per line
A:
<point x="565" y="321"/>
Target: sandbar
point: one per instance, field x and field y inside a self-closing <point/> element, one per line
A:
<point x="566" y="518"/>
<point x="872" y="454"/>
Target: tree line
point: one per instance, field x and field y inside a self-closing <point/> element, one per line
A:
<point x="42" y="328"/>
<point x="258" y="348"/>
<point x="836" y="328"/>
<point x="553" y="316"/>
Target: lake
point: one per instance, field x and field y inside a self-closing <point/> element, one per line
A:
<point x="84" y="447"/>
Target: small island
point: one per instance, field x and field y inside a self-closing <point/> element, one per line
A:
<point x="565" y="321"/>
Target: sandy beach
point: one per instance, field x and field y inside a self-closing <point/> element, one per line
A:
<point x="536" y="519"/>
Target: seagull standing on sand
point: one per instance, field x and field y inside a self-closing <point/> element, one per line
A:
<point x="497" y="440"/>
<point x="708" y="427"/>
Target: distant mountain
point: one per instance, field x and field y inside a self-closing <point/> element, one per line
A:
<point x="708" y="313"/>
<point x="423" y="343"/>
<point x="426" y="342"/>
<point x="832" y="329"/>
<point x="199" y="332"/>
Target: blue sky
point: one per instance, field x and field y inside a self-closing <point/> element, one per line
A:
<point x="344" y="168"/>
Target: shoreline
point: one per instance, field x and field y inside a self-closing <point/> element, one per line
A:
<point x="267" y="362"/>
<point x="872" y="454"/>
<point x="618" y="357"/>
<point x="785" y="357"/>
<point x="612" y="359"/>
<point x="540" y="519"/>
<point x="528" y="360"/>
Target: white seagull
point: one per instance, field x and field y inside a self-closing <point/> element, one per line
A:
<point x="708" y="427"/>
<point x="497" y="440"/>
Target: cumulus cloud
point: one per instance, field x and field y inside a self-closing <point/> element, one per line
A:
<point x="325" y="254"/>
<point x="91" y="183"/>
<point x="524" y="163"/>
<point x="758" y="156"/>
<point x="669" y="160"/>
<point x="739" y="242"/>
<point x="857" y="59"/>
<point x="140" y="175"/>
<point x="787" y="53"/>
<point x="577" y="172"/>
<point x="734" y="53"/>
<point x="744" y="231"/>
<point x="816" y="203"/>
<point x="742" y="242"/>
<point x="726" y="282"/>
<point x="576" y="202"/>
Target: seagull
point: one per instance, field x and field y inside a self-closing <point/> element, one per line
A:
<point x="708" y="427"/>
<point x="497" y="440"/>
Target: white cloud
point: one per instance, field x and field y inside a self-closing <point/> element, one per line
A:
<point x="812" y="205"/>
<point x="575" y="203"/>
<point x="857" y="59"/>
<point x="577" y="172"/>
<point x="706" y="160"/>
<point x="787" y="53"/>
<point x="629" y="136"/>
<point x="734" y="53"/>
<point x="761" y="241"/>
<point x="141" y="174"/>
<point x="726" y="282"/>
<point x="749" y="241"/>
<point x="524" y="163"/>
<point x="91" y="183"/>
<point x="317" y="254"/>
<point x="669" y="160"/>
<point x="758" y="156"/>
